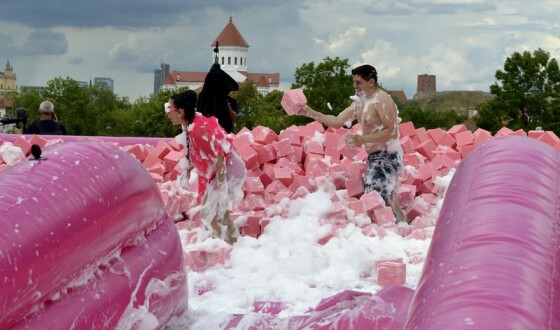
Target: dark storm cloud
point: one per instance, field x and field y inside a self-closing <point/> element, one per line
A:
<point x="42" y="42"/>
<point x="131" y="14"/>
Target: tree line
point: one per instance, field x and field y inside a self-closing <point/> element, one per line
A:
<point x="526" y="92"/>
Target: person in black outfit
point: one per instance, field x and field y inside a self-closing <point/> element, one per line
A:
<point x="214" y="99"/>
<point x="47" y="124"/>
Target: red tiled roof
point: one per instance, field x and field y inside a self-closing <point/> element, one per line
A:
<point x="398" y="94"/>
<point x="264" y="79"/>
<point x="8" y="103"/>
<point x="230" y="36"/>
<point x="260" y="79"/>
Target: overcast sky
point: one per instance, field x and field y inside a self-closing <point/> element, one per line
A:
<point x="462" y="42"/>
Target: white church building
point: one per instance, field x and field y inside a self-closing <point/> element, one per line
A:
<point x="233" y="59"/>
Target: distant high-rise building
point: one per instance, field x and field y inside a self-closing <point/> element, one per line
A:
<point x="157" y="80"/>
<point x="83" y="84"/>
<point x="159" y="75"/>
<point x="104" y="81"/>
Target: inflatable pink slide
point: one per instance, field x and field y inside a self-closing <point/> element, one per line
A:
<point x="494" y="259"/>
<point x="85" y="243"/>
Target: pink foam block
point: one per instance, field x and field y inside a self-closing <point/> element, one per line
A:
<point x="252" y="227"/>
<point x="249" y="156"/>
<point x="283" y="148"/>
<point x="535" y="134"/>
<point x="268" y="307"/>
<point x="456" y="129"/>
<point x="422" y="134"/>
<point x="346" y="150"/>
<point x="264" y="135"/>
<point x="481" y="135"/>
<point x="389" y="272"/>
<point x="549" y="138"/>
<point x="293" y="101"/>
<point x="407" y="129"/>
<point x="504" y="131"/>
<point x="283" y="175"/>
<point x="426" y="148"/>
<point x="464" y="138"/>
<point x="384" y="216"/>
<point x="200" y="260"/>
<point x="435" y="133"/>
<point x="291" y="134"/>
<point x="252" y="203"/>
<point x="406" y="194"/>
<point x="243" y="139"/>
<point x="253" y="185"/>
<point x="151" y="160"/>
<point x="23" y="144"/>
<point x="355" y="186"/>
<point x="38" y="140"/>
<point x="266" y="153"/>
<point x="302" y="181"/>
<point x="312" y="128"/>
<point x="372" y="201"/>
<point x="137" y="150"/>
<point x="314" y="147"/>
<point x="358" y="206"/>
<point x="171" y="159"/>
<point x="331" y="140"/>
<point x="315" y="167"/>
<point x="446" y="139"/>
<point x="407" y="145"/>
<point x="162" y="149"/>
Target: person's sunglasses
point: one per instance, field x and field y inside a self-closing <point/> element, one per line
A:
<point x="168" y="108"/>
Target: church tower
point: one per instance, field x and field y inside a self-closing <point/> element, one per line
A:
<point x="232" y="49"/>
<point x="8" y="79"/>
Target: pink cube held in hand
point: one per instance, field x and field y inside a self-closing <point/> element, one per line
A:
<point x="293" y="101"/>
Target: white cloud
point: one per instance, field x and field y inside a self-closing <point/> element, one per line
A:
<point x="345" y="41"/>
<point x="463" y="42"/>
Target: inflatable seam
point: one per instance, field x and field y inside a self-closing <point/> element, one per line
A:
<point x="556" y="237"/>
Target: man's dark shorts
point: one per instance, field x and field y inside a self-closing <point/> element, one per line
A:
<point x="382" y="172"/>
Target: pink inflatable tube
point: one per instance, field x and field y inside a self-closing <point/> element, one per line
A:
<point x="122" y="141"/>
<point x="67" y="215"/>
<point x="117" y="299"/>
<point x="494" y="260"/>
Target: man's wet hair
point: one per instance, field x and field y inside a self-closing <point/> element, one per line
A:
<point x="365" y="71"/>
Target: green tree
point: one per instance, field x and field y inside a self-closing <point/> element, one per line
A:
<point x="29" y="99"/>
<point x="70" y="103"/>
<point x="513" y="106"/>
<point x="247" y="103"/>
<point x="431" y="118"/>
<point x="325" y="82"/>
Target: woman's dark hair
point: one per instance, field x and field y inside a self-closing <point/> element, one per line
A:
<point x="365" y="71"/>
<point x="187" y="102"/>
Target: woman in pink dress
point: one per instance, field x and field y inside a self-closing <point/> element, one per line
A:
<point x="221" y="171"/>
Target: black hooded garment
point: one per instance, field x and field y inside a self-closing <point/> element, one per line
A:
<point x="213" y="99"/>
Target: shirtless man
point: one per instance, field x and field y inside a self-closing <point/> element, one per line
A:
<point x="377" y="114"/>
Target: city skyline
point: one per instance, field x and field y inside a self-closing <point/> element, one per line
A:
<point x="462" y="42"/>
